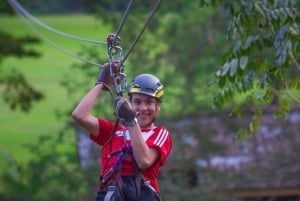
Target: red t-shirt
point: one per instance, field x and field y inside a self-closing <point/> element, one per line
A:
<point x="158" y="138"/>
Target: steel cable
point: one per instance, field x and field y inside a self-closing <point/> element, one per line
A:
<point x="17" y="6"/>
<point x="23" y="13"/>
<point x="156" y="7"/>
<point x="123" y="19"/>
<point x="22" y="17"/>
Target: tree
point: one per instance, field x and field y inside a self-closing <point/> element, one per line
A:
<point x="16" y="90"/>
<point x="263" y="59"/>
<point x="49" y="174"/>
<point x="179" y="46"/>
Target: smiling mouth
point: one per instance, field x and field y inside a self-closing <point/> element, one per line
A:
<point x="143" y="115"/>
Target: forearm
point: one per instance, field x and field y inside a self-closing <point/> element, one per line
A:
<point x="87" y="103"/>
<point x="82" y="112"/>
<point x="143" y="155"/>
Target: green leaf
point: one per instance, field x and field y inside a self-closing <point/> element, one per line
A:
<point x="291" y="12"/>
<point x="249" y="41"/>
<point x="240" y="135"/>
<point x="251" y="127"/>
<point x="274" y="15"/>
<point x="225" y="69"/>
<point x="279" y="36"/>
<point x="243" y="62"/>
<point x="294" y="85"/>
<point x="233" y="67"/>
<point x="236" y="47"/>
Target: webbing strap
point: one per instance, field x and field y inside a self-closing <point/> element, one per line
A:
<point x="138" y="179"/>
<point x="119" y="181"/>
<point x="110" y="192"/>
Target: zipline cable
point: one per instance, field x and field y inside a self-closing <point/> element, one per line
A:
<point x="114" y="49"/>
<point x="17" y="6"/>
<point x="22" y="17"/>
<point x="54" y="44"/>
<point x="23" y="13"/>
<point x="123" y="20"/>
<point x="156" y="7"/>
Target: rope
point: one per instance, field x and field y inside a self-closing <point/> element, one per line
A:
<point x="23" y="13"/>
<point x="51" y="42"/>
<point x="18" y="8"/>
<point x="123" y="20"/>
<point x="156" y="7"/>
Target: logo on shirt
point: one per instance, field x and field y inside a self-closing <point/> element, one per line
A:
<point x="145" y="135"/>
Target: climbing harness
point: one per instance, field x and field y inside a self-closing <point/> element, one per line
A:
<point x="116" y="62"/>
<point x="121" y="154"/>
<point x="113" y="178"/>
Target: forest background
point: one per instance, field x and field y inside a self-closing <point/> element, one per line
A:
<point x="184" y="45"/>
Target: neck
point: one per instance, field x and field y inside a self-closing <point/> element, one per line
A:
<point x="151" y="126"/>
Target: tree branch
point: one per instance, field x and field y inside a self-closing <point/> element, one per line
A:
<point x="289" y="93"/>
<point x="294" y="60"/>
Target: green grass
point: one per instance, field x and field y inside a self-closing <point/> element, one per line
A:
<point x="45" y="74"/>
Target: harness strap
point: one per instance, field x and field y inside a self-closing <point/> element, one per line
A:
<point x="117" y="169"/>
<point x="119" y="181"/>
<point x="138" y="179"/>
<point x="125" y="151"/>
<point x="110" y="192"/>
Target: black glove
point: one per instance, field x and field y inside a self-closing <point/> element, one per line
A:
<point x="124" y="111"/>
<point x="105" y="77"/>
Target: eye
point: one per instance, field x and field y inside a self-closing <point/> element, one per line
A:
<point x="137" y="101"/>
<point x="150" y="101"/>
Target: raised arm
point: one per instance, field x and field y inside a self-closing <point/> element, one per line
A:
<point x="82" y="114"/>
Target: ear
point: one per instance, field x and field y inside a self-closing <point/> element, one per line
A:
<point x="157" y="106"/>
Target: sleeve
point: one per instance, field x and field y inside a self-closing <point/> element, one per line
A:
<point x="105" y="130"/>
<point x="162" y="142"/>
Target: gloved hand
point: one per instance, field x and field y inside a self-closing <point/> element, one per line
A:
<point x="124" y="111"/>
<point x="105" y="77"/>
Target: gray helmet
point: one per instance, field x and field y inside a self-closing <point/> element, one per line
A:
<point x="147" y="84"/>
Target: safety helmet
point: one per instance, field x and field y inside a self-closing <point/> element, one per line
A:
<point x="147" y="84"/>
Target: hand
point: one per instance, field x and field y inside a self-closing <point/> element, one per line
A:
<point x="105" y="77"/>
<point x="124" y="111"/>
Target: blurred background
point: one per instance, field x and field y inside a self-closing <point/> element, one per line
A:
<point x="231" y="87"/>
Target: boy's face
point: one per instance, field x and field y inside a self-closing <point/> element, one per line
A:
<point x="147" y="107"/>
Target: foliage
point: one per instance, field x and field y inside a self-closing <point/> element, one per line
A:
<point x="11" y="46"/>
<point x="263" y="58"/>
<point x="179" y="46"/>
<point x="5" y="8"/>
<point x="62" y="177"/>
<point x="40" y="7"/>
<point x="70" y="6"/>
<point x="52" y="173"/>
<point x="159" y="57"/>
<point x="178" y="50"/>
<point x="17" y="92"/>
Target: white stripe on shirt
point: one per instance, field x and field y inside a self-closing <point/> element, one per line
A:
<point x="161" y="137"/>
